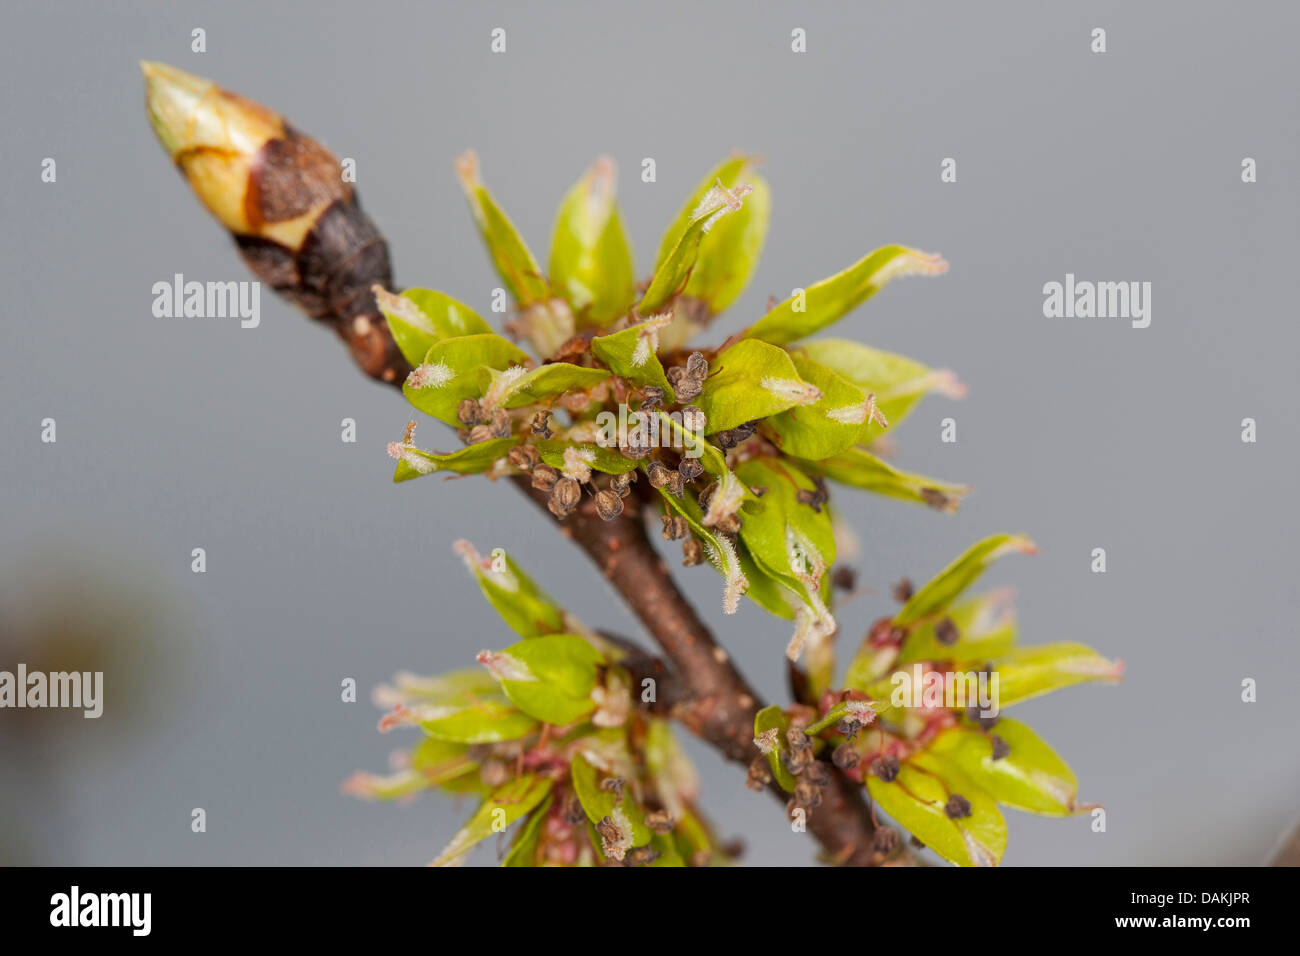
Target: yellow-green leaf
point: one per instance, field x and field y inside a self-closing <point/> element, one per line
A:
<point x="631" y="354"/>
<point x="449" y="372"/>
<point x="1027" y="672"/>
<point x="949" y="583"/>
<point x="674" y="270"/>
<point x="591" y="263"/>
<point x="1029" y="776"/>
<point x="774" y="745"/>
<point x="986" y="629"/>
<point x="858" y="468"/>
<point x="522" y="604"/>
<point x="829" y="300"/>
<point x="599" y="803"/>
<point x="507" y="804"/>
<point x="730" y="251"/>
<point x="549" y="677"/>
<point x="421" y="318"/>
<point x="829" y="426"/>
<point x="897" y="382"/>
<point x="514" y="263"/>
<point x="917" y="799"/>
<point x="751" y="380"/>
<point x="414" y="462"/>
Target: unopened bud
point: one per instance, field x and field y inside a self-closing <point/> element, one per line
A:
<point x="846" y="756"/>
<point x="886" y="768"/>
<point x="565" y="496"/>
<point x="946" y="633"/>
<point x="541" y="424"/>
<point x="957" y="807"/>
<point x="658" y="474"/>
<point x="690" y="469"/>
<point x="674" y="527"/>
<point x="545" y="477"/>
<point x="524" y="457"/>
<point x="469" y="412"/>
<point x="692" y="552"/>
<point x="608" y="504"/>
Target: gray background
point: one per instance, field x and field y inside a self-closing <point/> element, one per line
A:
<point x="182" y="433"/>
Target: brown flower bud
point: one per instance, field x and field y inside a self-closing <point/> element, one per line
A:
<point x="946" y="633"/>
<point x="642" y="856"/>
<point x="524" y="457"/>
<point x="500" y="423"/>
<point x="1000" y="747"/>
<point x="885" y="841"/>
<point x="690" y="469"/>
<point x="684" y="387"/>
<point x="541" y="424"/>
<point x="675" y="485"/>
<point x="692" y="552"/>
<point x="706" y="495"/>
<point x="660" y="821"/>
<point x="760" y="774"/>
<point x="957" y="807"/>
<point x="985" y="723"/>
<point x="621" y="485"/>
<point x="845" y="756"/>
<point x="807" y="794"/>
<point x="818" y="773"/>
<point x="657" y="474"/>
<point x="544" y="477"/>
<point x="903" y="591"/>
<point x="636" y="447"/>
<point x="693" y="419"/>
<point x="652" y="396"/>
<point x="697" y="367"/>
<point x="608" y="504"/>
<point x="844" y="577"/>
<point x="936" y="499"/>
<point x="674" y="527"/>
<point x="729" y="523"/>
<point x="886" y="768"/>
<point x="469" y="411"/>
<point x="480" y="433"/>
<point x="565" y="496"/>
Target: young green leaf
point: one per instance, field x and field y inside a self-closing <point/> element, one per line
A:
<point x="591" y="263"/>
<point x="514" y="263"/>
<point x="787" y="537"/>
<point x="523" y="852"/>
<point x="529" y="610"/>
<point x="949" y="584"/>
<point x="469" y="717"/>
<point x="421" y="318"/>
<point x="829" y="426"/>
<point x="858" y="468"/>
<point x="516" y="387"/>
<point x="599" y="802"/>
<point x="1027" y="775"/>
<point x="897" y="382"/>
<point x="631" y="354"/>
<point x="449" y="372"/>
<point x="414" y="462"/>
<point x="770" y="725"/>
<point x="548" y="677"/>
<point x="607" y="460"/>
<point x="751" y="380"/>
<point x="674" y="270"/>
<point x="1027" y="672"/>
<point x="827" y="301"/>
<point x="717" y="547"/>
<point x="985" y="627"/>
<point x="730" y="251"/>
<point x="671" y="771"/>
<point x="919" y="800"/>
<point x="508" y="803"/>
